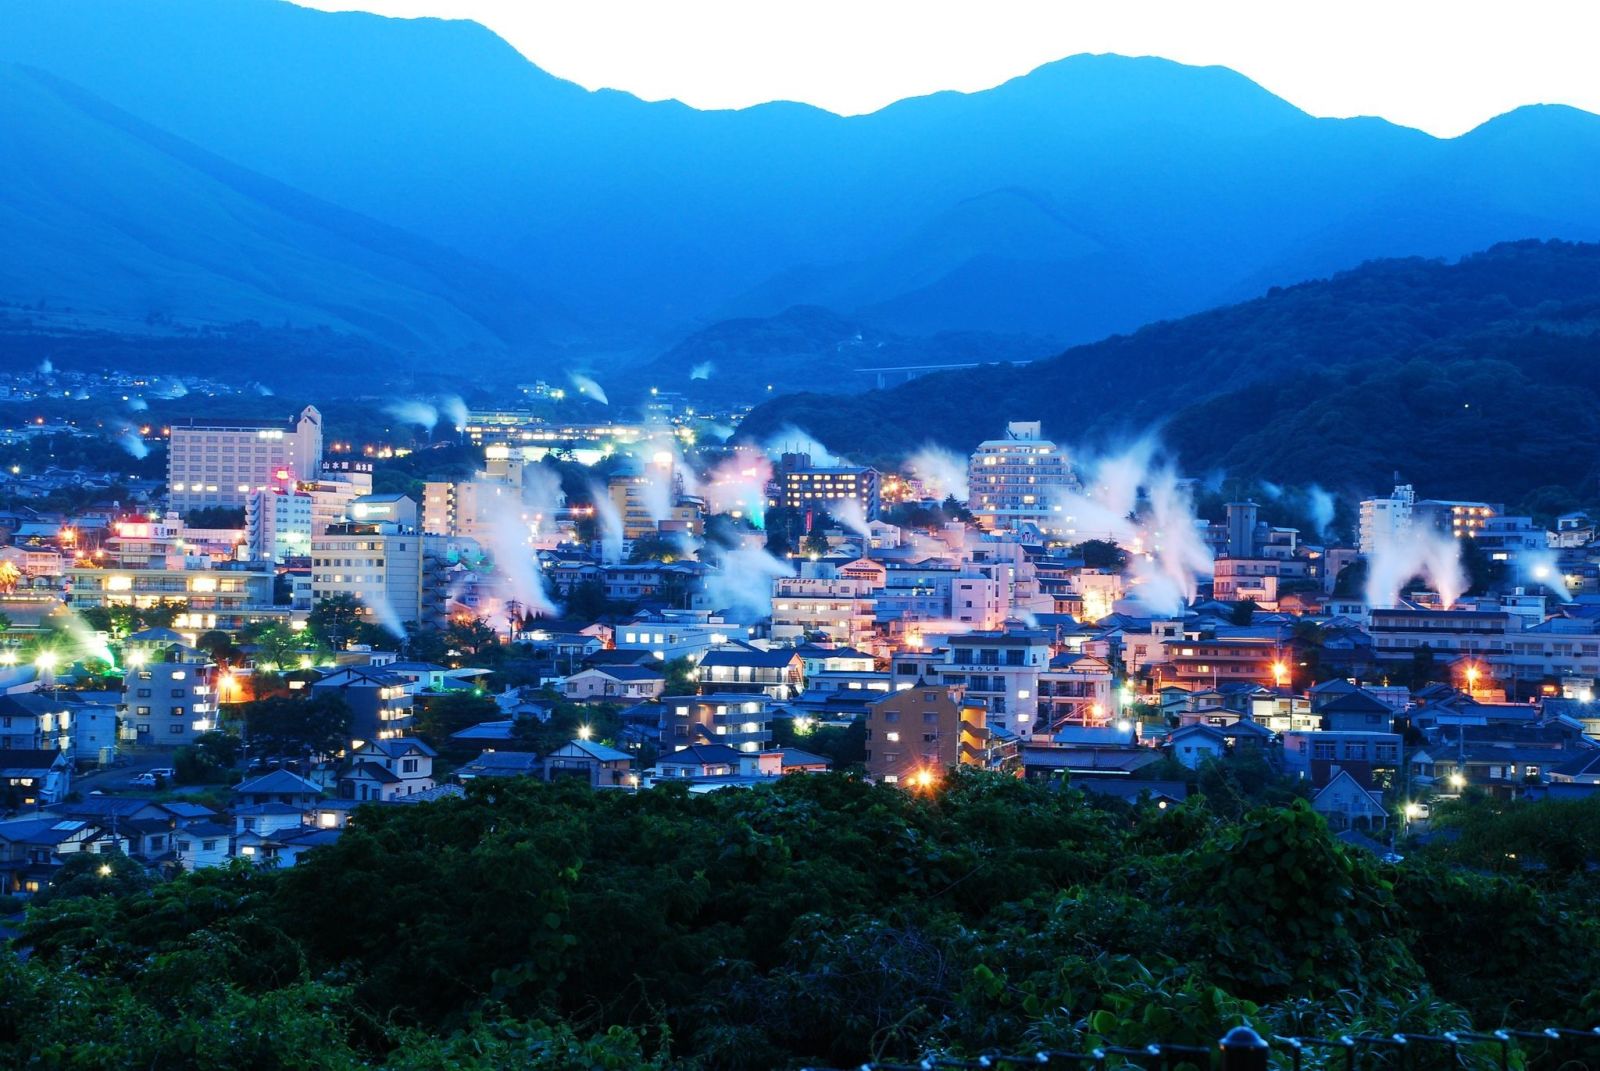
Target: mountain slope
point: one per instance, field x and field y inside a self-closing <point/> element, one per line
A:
<point x="811" y="348"/>
<point x="1481" y="378"/>
<point x="113" y="217"/>
<point x="1091" y="195"/>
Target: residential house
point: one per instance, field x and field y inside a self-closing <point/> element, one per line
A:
<point x="601" y="766"/>
<point x="501" y="764"/>
<point x="32" y="849"/>
<point x="778" y="673"/>
<point x="1196" y="743"/>
<point x="1355" y="711"/>
<point x="1347" y="803"/>
<point x="630" y="684"/>
<point x="202" y="845"/>
<point x="34" y="779"/>
<point x="35" y="721"/>
<point x="387" y="770"/>
<point x="279" y="786"/>
<point x="699" y="760"/>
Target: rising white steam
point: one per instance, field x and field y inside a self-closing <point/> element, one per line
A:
<point x="588" y="387"/>
<point x="702" y="370"/>
<point x="511" y="526"/>
<point x="792" y="440"/>
<point x="414" y="411"/>
<point x="127" y="436"/>
<point x="741" y="582"/>
<point x="1167" y="555"/>
<point x="453" y="409"/>
<point x="737" y="485"/>
<point x="1319" y="505"/>
<point x="1415" y="552"/>
<point x="610" y="522"/>
<point x="943" y="472"/>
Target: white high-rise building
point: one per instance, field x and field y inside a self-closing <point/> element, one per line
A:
<point x="1013" y="481"/>
<point x="277" y="524"/>
<point x="1383" y="520"/>
<point x="220" y="462"/>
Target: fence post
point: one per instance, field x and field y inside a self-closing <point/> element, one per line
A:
<point x="1243" y="1050"/>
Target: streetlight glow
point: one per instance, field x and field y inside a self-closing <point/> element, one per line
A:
<point x="584" y="732"/>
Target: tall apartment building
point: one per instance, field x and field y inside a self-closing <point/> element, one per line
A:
<point x="1464" y="520"/>
<point x="218" y="463"/>
<point x="1012" y="482"/>
<point x="168" y="697"/>
<point x="277" y="523"/>
<point x="375" y="557"/>
<point x="1384" y="520"/>
<point x="800" y="485"/>
<point x="915" y="735"/>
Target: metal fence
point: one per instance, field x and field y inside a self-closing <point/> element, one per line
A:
<point x="1242" y="1049"/>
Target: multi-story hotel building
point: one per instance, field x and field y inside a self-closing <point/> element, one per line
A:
<point x="219" y="462"/>
<point x="1013" y="482"/>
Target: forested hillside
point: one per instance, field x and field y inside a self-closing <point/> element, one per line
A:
<point x="1477" y="379"/>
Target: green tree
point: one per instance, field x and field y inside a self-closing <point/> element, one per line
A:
<point x="284" y="727"/>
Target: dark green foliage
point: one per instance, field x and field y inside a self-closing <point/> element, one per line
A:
<point x="820" y="920"/>
<point x="305" y="725"/>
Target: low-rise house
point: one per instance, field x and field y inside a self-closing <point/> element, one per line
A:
<point x="387" y="770"/>
<point x="34" y="779"/>
<point x="35" y="721"/>
<point x="1194" y="744"/>
<point x="601" y="766"/>
<point x="795" y="761"/>
<point x="1346" y="803"/>
<point x="1356" y="711"/>
<point x="202" y="845"/>
<point x="1381" y="750"/>
<point x="631" y="684"/>
<point x="32" y="849"/>
<point x="501" y="764"/>
<point x="738" y="667"/>
<point x="699" y="760"/>
<point x="279" y="786"/>
<point x="1161" y="794"/>
<point x="95" y="728"/>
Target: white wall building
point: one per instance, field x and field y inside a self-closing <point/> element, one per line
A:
<point x="218" y="463"/>
<point x="1013" y="481"/>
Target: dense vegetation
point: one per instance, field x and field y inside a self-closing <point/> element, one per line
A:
<point x="1475" y="379"/>
<point x="818" y="920"/>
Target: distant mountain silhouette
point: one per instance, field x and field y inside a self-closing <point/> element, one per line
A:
<point x="112" y="216"/>
<point x="1476" y="379"/>
<point x="1093" y="195"/>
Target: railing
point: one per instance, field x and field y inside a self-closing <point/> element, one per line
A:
<point x="1242" y="1049"/>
